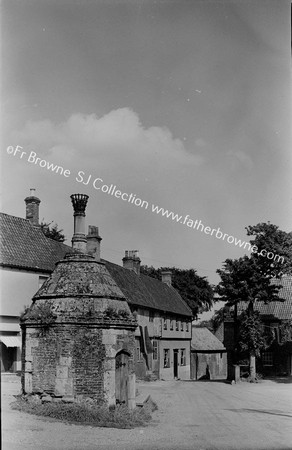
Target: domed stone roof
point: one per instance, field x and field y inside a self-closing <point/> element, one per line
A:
<point x="80" y="275"/>
<point x="80" y="290"/>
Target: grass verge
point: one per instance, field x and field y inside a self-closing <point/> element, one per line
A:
<point x="85" y="414"/>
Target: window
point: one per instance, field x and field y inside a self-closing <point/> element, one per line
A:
<point x="165" y="323"/>
<point x="155" y="350"/>
<point x="171" y="324"/>
<point x="267" y="358"/>
<point x="183" y="357"/>
<point x="151" y="316"/>
<point x="181" y="326"/>
<point x="166" y="360"/>
<point x="177" y="325"/>
<point x="138" y="350"/>
<point x="42" y="279"/>
<point x="187" y="326"/>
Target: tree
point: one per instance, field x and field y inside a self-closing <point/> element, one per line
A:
<point x="250" y="280"/>
<point x="276" y="244"/>
<point x="285" y="330"/>
<point x="52" y="232"/>
<point x="214" y="323"/>
<point x="243" y="281"/>
<point x="253" y="337"/>
<point x="195" y="290"/>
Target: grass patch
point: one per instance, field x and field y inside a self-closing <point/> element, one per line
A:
<point x="85" y="414"/>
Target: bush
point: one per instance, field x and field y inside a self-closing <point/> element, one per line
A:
<point x="85" y="413"/>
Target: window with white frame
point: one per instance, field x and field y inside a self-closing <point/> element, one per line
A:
<point x="165" y="323"/>
<point x="187" y="326"/>
<point x="267" y="358"/>
<point x="183" y="357"/>
<point x="155" y="350"/>
<point x="177" y="325"/>
<point x="166" y="357"/>
<point x="171" y="324"/>
<point x="182" y="326"/>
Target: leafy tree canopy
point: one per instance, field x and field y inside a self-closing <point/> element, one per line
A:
<point x="52" y="231"/>
<point x="242" y="280"/>
<point x="267" y="236"/>
<point x="195" y="290"/>
<point x="249" y="278"/>
<point x="252" y="335"/>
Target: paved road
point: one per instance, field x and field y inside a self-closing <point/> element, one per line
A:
<point x="191" y="416"/>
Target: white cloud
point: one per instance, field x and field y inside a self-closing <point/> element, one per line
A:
<point x="117" y="148"/>
<point x="119" y="132"/>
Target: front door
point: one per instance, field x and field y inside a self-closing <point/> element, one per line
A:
<point x="122" y="376"/>
<point x="175" y="363"/>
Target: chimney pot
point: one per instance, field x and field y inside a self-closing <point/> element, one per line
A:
<point x="93" y="242"/>
<point x="32" y="208"/>
<point x="166" y="276"/>
<point x="132" y="261"/>
<point x="79" y="202"/>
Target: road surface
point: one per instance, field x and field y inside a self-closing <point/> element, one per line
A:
<point x="191" y="416"/>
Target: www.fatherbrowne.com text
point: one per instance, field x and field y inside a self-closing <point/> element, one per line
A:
<point x="111" y="189"/>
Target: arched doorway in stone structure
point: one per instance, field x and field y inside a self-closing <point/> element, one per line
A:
<point x="122" y="377"/>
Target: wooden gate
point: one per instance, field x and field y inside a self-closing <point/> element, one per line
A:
<point x="122" y="377"/>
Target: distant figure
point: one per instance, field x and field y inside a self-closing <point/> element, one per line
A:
<point x="208" y="377"/>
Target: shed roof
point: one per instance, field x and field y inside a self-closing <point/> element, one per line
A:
<point x="203" y="341"/>
<point x="24" y="246"/>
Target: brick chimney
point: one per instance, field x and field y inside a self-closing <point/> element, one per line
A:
<point x="32" y="208"/>
<point x="166" y="277"/>
<point x="79" y="202"/>
<point x="132" y="261"/>
<point x="93" y="242"/>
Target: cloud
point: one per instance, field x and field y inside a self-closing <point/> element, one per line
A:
<point x="117" y="148"/>
<point x="119" y="132"/>
<point x="240" y="158"/>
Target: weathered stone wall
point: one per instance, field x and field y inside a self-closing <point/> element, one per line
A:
<point x="65" y="361"/>
<point x="74" y="361"/>
<point x="78" y="321"/>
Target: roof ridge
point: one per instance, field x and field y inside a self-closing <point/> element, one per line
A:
<point x="148" y="291"/>
<point x="15" y="217"/>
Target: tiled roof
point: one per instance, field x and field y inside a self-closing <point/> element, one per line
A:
<point x="25" y="246"/>
<point x="281" y="310"/>
<point x="203" y="340"/>
<point x="142" y="290"/>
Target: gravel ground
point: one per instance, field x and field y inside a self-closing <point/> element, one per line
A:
<point x="191" y="416"/>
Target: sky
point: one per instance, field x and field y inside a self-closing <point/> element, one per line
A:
<point x="185" y="104"/>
